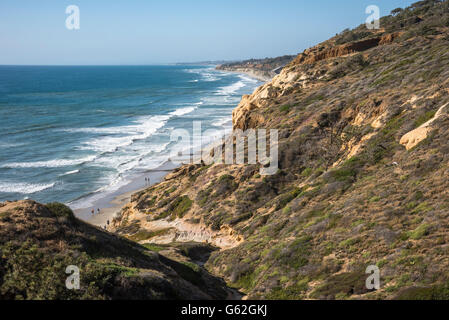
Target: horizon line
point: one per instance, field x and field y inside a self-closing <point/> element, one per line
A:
<point x="105" y="65"/>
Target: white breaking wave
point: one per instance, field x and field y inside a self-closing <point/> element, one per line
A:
<point x="249" y="79"/>
<point x="228" y="90"/>
<point x="70" y="172"/>
<point x="125" y="151"/>
<point x="207" y="74"/>
<point x="9" y="145"/>
<point x="183" y="111"/>
<point x="222" y="122"/>
<point x="123" y="164"/>
<point x="123" y="136"/>
<point x="220" y="100"/>
<point x="48" y="164"/>
<point x="142" y="128"/>
<point x="24" y="188"/>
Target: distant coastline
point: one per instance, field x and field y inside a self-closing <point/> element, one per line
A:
<point x="255" y="74"/>
<point x="111" y="204"/>
<point x="262" y="69"/>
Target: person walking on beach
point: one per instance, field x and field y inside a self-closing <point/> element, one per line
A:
<point x="93" y="212"/>
<point x="98" y="211"/>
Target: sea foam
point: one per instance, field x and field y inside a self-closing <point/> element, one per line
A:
<point x="24" y="188"/>
<point x="49" y="164"/>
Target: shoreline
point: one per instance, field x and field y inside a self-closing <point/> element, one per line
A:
<point x="112" y="204"/>
<point x="250" y="73"/>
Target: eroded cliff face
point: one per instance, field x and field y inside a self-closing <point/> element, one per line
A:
<point x="175" y="220"/>
<point x="294" y="76"/>
<point x="363" y="159"/>
<point x="320" y="52"/>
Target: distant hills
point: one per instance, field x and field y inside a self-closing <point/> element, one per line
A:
<point x="264" y="69"/>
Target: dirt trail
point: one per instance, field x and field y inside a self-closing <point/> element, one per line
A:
<point x="182" y="231"/>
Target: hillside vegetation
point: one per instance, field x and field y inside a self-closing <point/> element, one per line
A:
<point x="363" y="162"/>
<point x="38" y="243"/>
<point x="362" y="174"/>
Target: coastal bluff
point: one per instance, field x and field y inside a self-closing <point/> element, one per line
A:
<point x="350" y="191"/>
<point x="361" y="182"/>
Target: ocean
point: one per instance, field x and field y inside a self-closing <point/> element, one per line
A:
<point x="72" y="134"/>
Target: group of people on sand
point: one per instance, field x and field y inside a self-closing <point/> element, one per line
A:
<point x="147" y="182"/>
<point x="99" y="212"/>
<point x="93" y="211"/>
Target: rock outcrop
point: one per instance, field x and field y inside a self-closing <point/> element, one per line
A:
<point x="413" y="138"/>
<point x="321" y="53"/>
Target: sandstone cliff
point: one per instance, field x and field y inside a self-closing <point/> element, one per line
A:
<point x="363" y="147"/>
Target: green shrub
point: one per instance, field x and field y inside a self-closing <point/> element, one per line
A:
<point x="286" y="210"/>
<point x="342" y="284"/>
<point x="296" y="255"/>
<point x="180" y="206"/>
<point x="31" y="273"/>
<point x="349" y="242"/>
<point x="5" y="216"/>
<point x="203" y="197"/>
<point x="421" y="208"/>
<point x="285" y="108"/>
<point x="424" y="118"/>
<point x="307" y="172"/>
<point x="245" y="281"/>
<point x="224" y="185"/>
<point x="351" y="35"/>
<point x="60" y="210"/>
<point x="145" y="235"/>
<point x="287" y="197"/>
<point x="153" y="247"/>
<point x="419" y="232"/>
<point x="343" y="174"/>
<point x="437" y="292"/>
<point x="293" y="292"/>
<point x="381" y="263"/>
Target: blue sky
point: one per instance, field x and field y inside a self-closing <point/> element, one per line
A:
<point x="151" y="32"/>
